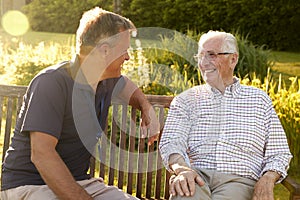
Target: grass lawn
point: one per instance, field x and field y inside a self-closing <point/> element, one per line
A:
<point x="286" y="63"/>
<point x="34" y="38"/>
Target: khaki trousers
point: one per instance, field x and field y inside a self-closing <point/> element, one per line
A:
<point x="220" y="186"/>
<point x="95" y="187"/>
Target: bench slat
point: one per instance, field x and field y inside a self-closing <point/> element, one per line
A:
<point x="150" y="168"/>
<point x="103" y="156"/>
<point x="122" y="145"/>
<point x="12" y="90"/>
<point x="112" y="146"/>
<point x="158" y="180"/>
<point x="8" y="125"/>
<point x="131" y="150"/>
<point x="1" y="111"/>
<point x="139" y="184"/>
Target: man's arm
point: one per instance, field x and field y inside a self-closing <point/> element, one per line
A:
<point x="277" y="156"/>
<point x="132" y="95"/>
<point x="177" y="164"/>
<point x="150" y="124"/>
<point x="263" y="189"/>
<point x="52" y="169"/>
<point x="183" y="182"/>
<point x="137" y="99"/>
<point x="128" y="92"/>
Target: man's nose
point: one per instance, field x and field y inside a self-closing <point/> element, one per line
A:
<point x="126" y="56"/>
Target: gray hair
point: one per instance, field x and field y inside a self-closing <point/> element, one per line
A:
<point x="229" y="41"/>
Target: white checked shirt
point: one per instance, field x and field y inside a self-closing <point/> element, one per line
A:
<point x="236" y="133"/>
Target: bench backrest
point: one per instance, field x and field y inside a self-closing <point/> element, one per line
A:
<point x="10" y="102"/>
<point x="126" y="160"/>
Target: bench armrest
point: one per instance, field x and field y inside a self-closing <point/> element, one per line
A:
<point x="293" y="187"/>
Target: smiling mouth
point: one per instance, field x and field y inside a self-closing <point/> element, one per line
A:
<point x="210" y="70"/>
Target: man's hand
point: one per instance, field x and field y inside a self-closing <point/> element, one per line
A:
<point x="263" y="189"/>
<point x="184" y="183"/>
<point x="185" y="178"/>
<point x="150" y="126"/>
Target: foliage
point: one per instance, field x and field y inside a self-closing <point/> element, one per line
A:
<point x="158" y="78"/>
<point x="144" y="13"/>
<point x="272" y="22"/>
<point x="275" y="23"/>
<point x="175" y="53"/>
<point x="59" y="15"/>
<point x="22" y="63"/>
<point x="287" y="105"/>
<point x="253" y="59"/>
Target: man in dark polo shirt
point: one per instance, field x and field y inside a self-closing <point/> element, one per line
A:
<point x="64" y="112"/>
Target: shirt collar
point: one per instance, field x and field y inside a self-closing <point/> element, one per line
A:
<point x="233" y="89"/>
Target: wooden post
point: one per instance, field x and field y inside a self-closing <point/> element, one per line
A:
<point x="117" y="6"/>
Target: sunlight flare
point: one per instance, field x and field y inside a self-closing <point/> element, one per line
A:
<point x="15" y="23"/>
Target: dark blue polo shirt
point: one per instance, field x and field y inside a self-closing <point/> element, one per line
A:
<point x="48" y="107"/>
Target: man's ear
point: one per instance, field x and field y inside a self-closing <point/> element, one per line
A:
<point x="103" y="49"/>
<point x="234" y="60"/>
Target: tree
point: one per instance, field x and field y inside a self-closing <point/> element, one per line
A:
<point x="275" y="23"/>
<point x="60" y="15"/>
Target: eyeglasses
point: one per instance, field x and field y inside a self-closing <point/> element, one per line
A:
<point x="209" y="56"/>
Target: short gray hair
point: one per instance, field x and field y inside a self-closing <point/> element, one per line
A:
<point x="229" y="41"/>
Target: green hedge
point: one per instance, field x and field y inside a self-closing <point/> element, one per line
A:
<point x="61" y="16"/>
<point x="275" y="23"/>
<point x="272" y="22"/>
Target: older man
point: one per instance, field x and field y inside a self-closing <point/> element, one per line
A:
<point x="223" y="140"/>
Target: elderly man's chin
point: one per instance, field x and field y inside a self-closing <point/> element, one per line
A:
<point x="210" y="76"/>
<point x="213" y="79"/>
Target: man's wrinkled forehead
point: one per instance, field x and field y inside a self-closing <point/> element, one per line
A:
<point x="212" y="43"/>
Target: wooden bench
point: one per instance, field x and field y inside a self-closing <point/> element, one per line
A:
<point x="126" y="160"/>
